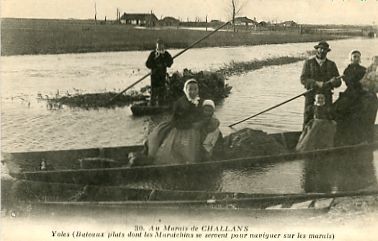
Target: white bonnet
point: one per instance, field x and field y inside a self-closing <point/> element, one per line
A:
<point x="208" y="103"/>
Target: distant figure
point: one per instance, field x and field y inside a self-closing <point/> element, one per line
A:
<point x="158" y="61"/>
<point x="319" y="74"/>
<point x="356" y="108"/>
<point x="319" y="132"/>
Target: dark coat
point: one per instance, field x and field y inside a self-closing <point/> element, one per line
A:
<point x="185" y="113"/>
<point x="355" y="113"/>
<point x="355" y="110"/>
<point x="313" y="72"/>
<point x="353" y="74"/>
<point x="158" y="65"/>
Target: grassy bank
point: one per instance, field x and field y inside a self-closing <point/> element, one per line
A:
<point x="235" y="68"/>
<point x="37" y="36"/>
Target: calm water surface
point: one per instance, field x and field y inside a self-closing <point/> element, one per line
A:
<point x="27" y="125"/>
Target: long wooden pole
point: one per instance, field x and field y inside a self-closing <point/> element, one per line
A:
<point x="175" y="56"/>
<point x="271" y="108"/>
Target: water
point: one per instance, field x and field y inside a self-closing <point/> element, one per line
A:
<point x="27" y="125"/>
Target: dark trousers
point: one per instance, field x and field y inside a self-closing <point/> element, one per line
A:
<point x="158" y="95"/>
<point x="309" y="106"/>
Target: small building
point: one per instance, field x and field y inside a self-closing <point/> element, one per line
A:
<point x="244" y="21"/>
<point x="215" y="23"/>
<point x="263" y="24"/>
<point x="140" y="19"/>
<point x="288" y="24"/>
<point x="169" y="21"/>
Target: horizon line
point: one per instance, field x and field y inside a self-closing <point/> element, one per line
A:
<point x="92" y="19"/>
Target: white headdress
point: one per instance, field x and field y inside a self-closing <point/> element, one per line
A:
<point x="208" y="103"/>
<point x="186" y="91"/>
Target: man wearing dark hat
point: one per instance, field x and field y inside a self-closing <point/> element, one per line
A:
<point x="319" y="74"/>
<point x="158" y="61"/>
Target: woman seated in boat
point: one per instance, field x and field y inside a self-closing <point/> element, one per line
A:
<point x="356" y="108"/>
<point x="319" y="132"/>
<point x="179" y="140"/>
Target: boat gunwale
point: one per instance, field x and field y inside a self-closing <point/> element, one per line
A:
<point x="278" y="197"/>
<point x="212" y="163"/>
<point x="73" y="150"/>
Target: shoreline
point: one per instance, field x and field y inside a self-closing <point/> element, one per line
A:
<point x="39" y="37"/>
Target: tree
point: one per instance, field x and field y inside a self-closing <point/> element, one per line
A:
<point x="235" y="7"/>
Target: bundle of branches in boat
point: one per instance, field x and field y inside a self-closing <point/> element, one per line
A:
<point x="212" y="86"/>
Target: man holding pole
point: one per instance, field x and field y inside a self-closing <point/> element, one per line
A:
<point x="158" y="61"/>
<point x="320" y="75"/>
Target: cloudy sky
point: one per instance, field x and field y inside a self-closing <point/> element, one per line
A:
<point x="302" y="11"/>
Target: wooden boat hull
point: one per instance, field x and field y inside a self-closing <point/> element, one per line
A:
<point x="73" y="196"/>
<point x="17" y="162"/>
<point x="64" y="166"/>
<point x="32" y="191"/>
<point x="191" y="176"/>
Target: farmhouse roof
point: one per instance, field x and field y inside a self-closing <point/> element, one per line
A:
<point x="170" y="19"/>
<point x="138" y="16"/>
<point x="263" y="23"/>
<point x="291" y="22"/>
<point x="245" y="20"/>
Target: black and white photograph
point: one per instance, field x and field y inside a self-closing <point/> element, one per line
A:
<point x="189" y="120"/>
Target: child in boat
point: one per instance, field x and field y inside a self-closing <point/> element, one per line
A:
<point x="212" y="137"/>
<point x="319" y="133"/>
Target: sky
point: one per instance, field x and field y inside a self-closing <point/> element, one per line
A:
<point x="301" y="11"/>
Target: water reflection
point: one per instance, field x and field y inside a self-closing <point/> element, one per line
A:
<point x="264" y="178"/>
<point x="349" y="171"/>
<point x="207" y="179"/>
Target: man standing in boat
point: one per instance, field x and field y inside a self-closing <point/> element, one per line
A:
<point x="158" y="61"/>
<point x="319" y="74"/>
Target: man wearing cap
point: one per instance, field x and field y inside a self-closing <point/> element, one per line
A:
<point x="158" y="61"/>
<point x="319" y="74"/>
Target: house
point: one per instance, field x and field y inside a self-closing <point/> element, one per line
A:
<point x="169" y="21"/>
<point x="215" y="23"/>
<point x="244" y="21"/>
<point x="140" y="19"/>
<point x="288" y="24"/>
<point x="263" y="24"/>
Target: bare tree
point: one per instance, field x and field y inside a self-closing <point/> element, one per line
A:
<point x="235" y="7"/>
